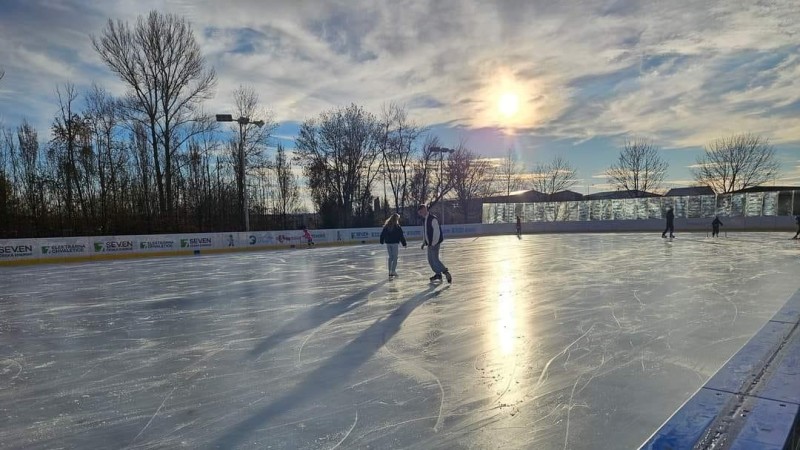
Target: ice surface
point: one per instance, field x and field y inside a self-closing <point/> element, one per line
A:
<point x="551" y="341"/>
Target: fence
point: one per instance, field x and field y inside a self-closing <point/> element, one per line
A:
<point x="751" y="204"/>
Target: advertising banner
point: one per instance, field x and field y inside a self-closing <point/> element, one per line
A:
<point x="17" y="250"/>
<point x="54" y="248"/>
<point x="461" y="230"/>
<point x="201" y="241"/>
<point x="289" y="238"/>
<point x="157" y="243"/>
<point x="113" y="244"/>
<point x="260" y="239"/>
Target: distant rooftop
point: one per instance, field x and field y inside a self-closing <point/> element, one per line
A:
<point x="619" y="194"/>
<point x="769" y="189"/>
<point x="694" y="190"/>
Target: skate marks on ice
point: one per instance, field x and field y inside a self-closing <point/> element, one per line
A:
<point x="336" y="370"/>
<point x="548" y="342"/>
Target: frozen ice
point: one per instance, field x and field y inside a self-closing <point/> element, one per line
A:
<point x="548" y="341"/>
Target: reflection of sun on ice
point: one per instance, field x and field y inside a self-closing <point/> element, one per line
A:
<point x="506" y="319"/>
<point x="508" y="104"/>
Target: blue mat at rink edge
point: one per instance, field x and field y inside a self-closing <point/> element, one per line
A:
<point x="752" y="402"/>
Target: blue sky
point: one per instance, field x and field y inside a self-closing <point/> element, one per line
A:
<point x="585" y="75"/>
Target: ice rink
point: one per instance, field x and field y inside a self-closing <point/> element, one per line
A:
<point x="546" y="342"/>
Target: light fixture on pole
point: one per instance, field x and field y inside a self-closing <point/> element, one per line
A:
<point x="441" y="151"/>
<point x="243" y="122"/>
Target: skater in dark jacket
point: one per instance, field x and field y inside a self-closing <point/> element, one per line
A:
<point x="670" y="224"/>
<point x="715" y="227"/>
<point x="392" y="235"/>
<point x="432" y="237"/>
<point x="797" y="219"/>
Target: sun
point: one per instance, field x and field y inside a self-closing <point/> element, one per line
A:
<point x="508" y="104"/>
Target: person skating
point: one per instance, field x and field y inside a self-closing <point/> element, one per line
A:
<point x="392" y="235"/>
<point x="432" y="237"/>
<point x="519" y="227"/>
<point x="715" y="227"/>
<point x="797" y="219"/>
<point x="670" y="224"/>
<point x="307" y="235"/>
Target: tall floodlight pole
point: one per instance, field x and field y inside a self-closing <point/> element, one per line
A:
<point x="243" y="122"/>
<point x="441" y="151"/>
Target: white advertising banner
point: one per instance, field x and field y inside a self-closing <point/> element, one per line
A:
<point x="55" y="248"/>
<point x="113" y="244"/>
<point x="461" y="230"/>
<point x="256" y="239"/>
<point x="17" y="250"/>
<point x="290" y="238"/>
<point x="202" y="241"/>
<point x="158" y="243"/>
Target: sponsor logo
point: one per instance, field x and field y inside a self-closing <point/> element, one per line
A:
<point x="13" y="251"/>
<point x="113" y="246"/>
<point x="63" y="249"/>
<point x="360" y="234"/>
<point x="287" y="238"/>
<point x="252" y="240"/>
<point x="145" y="245"/>
<point x="196" y="242"/>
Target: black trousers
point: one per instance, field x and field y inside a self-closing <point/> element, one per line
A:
<point x="670" y="228"/>
<point x="715" y="231"/>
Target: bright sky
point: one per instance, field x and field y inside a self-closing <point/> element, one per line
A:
<point x="544" y="78"/>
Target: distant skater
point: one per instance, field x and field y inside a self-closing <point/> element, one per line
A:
<point x="519" y="227"/>
<point x="797" y="219"/>
<point x="715" y="226"/>
<point x="670" y="224"/>
<point x="432" y="237"/>
<point x="392" y="235"/>
<point x="307" y="235"/>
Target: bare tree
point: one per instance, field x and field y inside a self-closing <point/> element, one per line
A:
<point x="509" y="173"/>
<point x="72" y="158"/>
<point x="255" y="126"/>
<point x="430" y="181"/>
<point x="111" y="164"/>
<point x="471" y="178"/>
<point x="639" y="168"/>
<point x="31" y="171"/>
<point x="338" y="154"/>
<point x="397" y="150"/>
<point x="737" y="162"/>
<point x="554" y="177"/>
<point x="160" y="61"/>
<point x="287" y="196"/>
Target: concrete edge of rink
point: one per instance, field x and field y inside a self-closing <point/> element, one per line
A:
<point x="753" y="401"/>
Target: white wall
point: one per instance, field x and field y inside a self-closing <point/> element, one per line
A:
<point x="22" y="251"/>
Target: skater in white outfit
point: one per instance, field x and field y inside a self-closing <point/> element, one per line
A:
<point x="432" y="237"/>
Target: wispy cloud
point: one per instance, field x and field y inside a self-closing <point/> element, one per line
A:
<point x="586" y="73"/>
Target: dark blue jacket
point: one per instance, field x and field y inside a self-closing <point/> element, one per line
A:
<point x="393" y="235"/>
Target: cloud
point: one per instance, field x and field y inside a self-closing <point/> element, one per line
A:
<point x="681" y="73"/>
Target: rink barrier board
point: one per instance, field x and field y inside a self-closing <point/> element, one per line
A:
<point x="77" y="249"/>
<point x="752" y="402"/>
